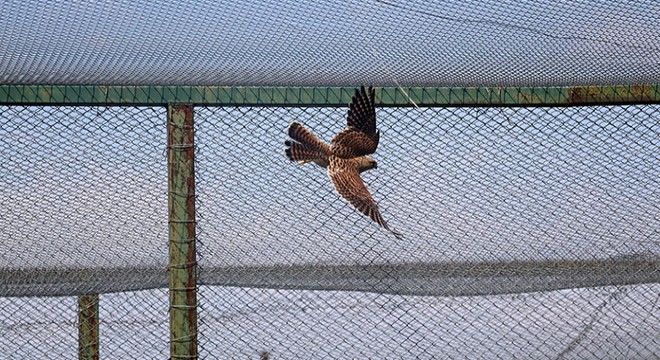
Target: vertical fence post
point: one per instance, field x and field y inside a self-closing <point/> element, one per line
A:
<point x="181" y="207"/>
<point x="88" y="327"/>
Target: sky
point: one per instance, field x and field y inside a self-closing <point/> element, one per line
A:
<point x="87" y="187"/>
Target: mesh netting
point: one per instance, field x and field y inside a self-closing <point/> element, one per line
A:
<point x="86" y="189"/>
<point x="528" y="232"/>
<point x="462" y="185"/>
<point x="412" y="43"/>
<point x="565" y="324"/>
<point x="490" y="200"/>
<point x="134" y="326"/>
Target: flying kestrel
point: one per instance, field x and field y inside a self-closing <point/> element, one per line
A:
<point x="345" y="158"/>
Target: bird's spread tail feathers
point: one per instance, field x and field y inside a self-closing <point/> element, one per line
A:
<point x="300" y="152"/>
<point x="305" y="146"/>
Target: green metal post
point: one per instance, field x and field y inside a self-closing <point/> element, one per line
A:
<point x="88" y="327"/>
<point x="181" y="201"/>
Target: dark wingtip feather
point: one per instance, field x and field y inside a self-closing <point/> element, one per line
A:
<point x="367" y="92"/>
<point x="377" y="217"/>
<point x="287" y="152"/>
<point x="292" y="128"/>
<point x="361" y="92"/>
<point x="397" y="234"/>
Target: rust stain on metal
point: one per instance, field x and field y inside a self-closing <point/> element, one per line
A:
<point x="583" y="94"/>
<point x="45" y="93"/>
<point x="191" y="283"/>
<point x="611" y="94"/>
<point x="642" y="91"/>
<point x="527" y="98"/>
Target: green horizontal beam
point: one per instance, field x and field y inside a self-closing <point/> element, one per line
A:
<point x="326" y="96"/>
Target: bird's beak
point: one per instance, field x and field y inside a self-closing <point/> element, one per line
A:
<point x="303" y="162"/>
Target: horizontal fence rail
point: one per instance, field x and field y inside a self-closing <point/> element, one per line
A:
<point x="326" y="96"/>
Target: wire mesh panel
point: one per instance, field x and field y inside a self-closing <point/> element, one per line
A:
<point x="134" y="325"/>
<point x="34" y="328"/>
<point x="461" y="184"/>
<point x="527" y="232"/>
<point x="83" y="211"/>
<point x="516" y="220"/>
<point x="82" y="186"/>
<point x="593" y="323"/>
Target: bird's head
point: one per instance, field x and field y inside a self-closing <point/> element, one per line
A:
<point x="367" y="163"/>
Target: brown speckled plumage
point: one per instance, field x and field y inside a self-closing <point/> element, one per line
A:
<point x="345" y="176"/>
<point x="360" y="136"/>
<point x="345" y="159"/>
<point x="305" y="146"/>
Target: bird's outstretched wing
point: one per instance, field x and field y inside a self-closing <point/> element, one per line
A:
<point x="346" y="180"/>
<point x="360" y="136"/>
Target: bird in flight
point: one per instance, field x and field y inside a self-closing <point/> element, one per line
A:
<point x="345" y="157"/>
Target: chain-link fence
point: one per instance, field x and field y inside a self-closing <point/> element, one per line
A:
<point x="528" y="232"/>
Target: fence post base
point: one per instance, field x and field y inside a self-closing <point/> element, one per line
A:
<point x="88" y="327"/>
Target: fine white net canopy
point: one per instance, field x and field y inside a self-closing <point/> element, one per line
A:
<point x="413" y="43"/>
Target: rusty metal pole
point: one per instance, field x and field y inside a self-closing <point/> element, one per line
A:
<point x="181" y="206"/>
<point x="88" y="327"/>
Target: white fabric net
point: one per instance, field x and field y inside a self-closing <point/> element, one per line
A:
<point x="413" y="43"/>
